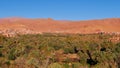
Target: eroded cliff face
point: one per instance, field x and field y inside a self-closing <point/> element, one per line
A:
<point x="33" y="26"/>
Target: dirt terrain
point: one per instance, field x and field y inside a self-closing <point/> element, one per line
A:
<point x="32" y="26"/>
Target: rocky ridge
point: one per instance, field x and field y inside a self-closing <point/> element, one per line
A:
<point x="12" y="26"/>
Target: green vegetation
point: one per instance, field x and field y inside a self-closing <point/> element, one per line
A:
<point x="60" y="51"/>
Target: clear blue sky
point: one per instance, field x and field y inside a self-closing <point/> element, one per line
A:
<point x="60" y="9"/>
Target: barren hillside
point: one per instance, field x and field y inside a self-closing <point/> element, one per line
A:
<point x="22" y="25"/>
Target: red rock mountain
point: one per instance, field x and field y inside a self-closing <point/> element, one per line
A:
<point x="22" y="25"/>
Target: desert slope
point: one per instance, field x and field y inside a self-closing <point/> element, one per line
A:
<point x="22" y="25"/>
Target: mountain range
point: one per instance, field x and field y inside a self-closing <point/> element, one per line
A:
<point x="32" y="26"/>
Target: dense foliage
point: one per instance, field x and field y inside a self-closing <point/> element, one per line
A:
<point x="60" y="51"/>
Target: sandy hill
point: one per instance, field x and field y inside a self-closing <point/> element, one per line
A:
<point x="22" y="25"/>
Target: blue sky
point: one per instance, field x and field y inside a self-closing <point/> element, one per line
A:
<point x="60" y="9"/>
